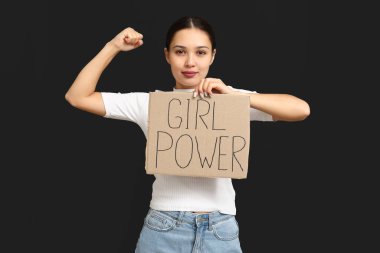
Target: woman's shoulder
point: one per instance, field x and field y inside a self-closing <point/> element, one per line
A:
<point x="125" y="97"/>
<point x="241" y="90"/>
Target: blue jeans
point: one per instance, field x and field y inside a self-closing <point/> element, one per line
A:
<point x="188" y="232"/>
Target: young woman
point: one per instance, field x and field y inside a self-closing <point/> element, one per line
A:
<point x="187" y="214"/>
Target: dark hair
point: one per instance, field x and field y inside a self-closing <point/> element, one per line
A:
<point x="190" y="22"/>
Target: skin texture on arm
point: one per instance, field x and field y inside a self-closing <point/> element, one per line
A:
<point x="282" y="107"/>
<point x="82" y="93"/>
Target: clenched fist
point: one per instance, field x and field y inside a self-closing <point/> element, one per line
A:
<point x="127" y="40"/>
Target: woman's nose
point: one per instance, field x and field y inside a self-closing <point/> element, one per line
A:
<point x="190" y="61"/>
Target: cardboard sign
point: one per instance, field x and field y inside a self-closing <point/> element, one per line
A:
<point x="198" y="137"/>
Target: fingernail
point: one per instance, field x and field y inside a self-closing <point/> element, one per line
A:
<point x="195" y="94"/>
<point x="201" y="94"/>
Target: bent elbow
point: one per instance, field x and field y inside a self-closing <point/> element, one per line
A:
<point x="70" y="100"/>
<point x="305" y="112"/>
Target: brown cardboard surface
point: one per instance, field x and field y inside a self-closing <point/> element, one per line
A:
<point x="189" y="136"/>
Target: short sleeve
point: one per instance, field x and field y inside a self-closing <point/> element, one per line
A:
<point x="126" y="106"/>
<point x="255" y="114"/>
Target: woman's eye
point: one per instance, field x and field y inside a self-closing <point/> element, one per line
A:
<point x="180" y="52"/>
<point x="202" y="52"/>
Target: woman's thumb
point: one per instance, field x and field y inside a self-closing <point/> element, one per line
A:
<point x="139" y="43"/>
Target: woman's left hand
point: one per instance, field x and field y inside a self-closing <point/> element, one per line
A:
<point x="209" y="86"/>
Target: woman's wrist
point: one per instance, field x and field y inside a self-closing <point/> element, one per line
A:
<point x="111" y="48"/>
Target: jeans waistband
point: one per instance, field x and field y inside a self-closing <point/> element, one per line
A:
<point x="194" y="218"/>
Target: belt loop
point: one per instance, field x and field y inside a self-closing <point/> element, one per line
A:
<point x="209" y="221"/>
<point x="180" y="217"/>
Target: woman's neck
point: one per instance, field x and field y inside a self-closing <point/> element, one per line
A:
<point x="179" y="86"/>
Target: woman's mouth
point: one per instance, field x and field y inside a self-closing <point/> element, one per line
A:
<point x="189" y="74"/>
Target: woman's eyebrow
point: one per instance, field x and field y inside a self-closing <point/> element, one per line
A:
<point x="185" y="47"/>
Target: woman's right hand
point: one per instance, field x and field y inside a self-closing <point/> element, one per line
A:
<point x="127" y="40"/>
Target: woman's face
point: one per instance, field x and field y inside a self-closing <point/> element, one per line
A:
<point x="190" y="56"/>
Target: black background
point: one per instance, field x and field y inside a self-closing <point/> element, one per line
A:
<point x="78" y="180"/>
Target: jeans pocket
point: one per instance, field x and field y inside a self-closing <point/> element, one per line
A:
<point x="226" y="230"/>
<point x="159" y="222"/>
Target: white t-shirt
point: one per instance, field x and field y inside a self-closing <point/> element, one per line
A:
<point x="177" y="193"/>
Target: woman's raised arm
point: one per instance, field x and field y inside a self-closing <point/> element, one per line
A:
<point x="82" y="93"/>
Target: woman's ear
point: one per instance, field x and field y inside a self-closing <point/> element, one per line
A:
<point x="166" y="55"/>
<point x="213" y="56"/>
